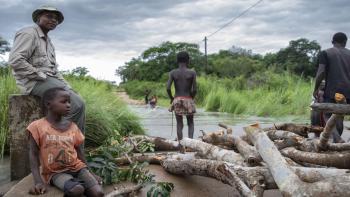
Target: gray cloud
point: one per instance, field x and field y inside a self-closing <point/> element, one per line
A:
<point x="121" y="30"/>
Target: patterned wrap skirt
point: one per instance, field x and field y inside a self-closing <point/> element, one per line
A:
<point x="183" y="106"/>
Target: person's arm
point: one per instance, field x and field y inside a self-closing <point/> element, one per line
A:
<point x="168" y="87"/>
<point x="80" y="153"/>
<point x="194" y="86"/>
<point x="39" y="185"/>
<point x="321" y="72"/>
<point x="21" y="52"/>
<point x="319" y="77"/>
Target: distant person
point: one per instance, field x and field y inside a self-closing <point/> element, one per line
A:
<point x="34" y="65"/>
<point x="55" y="145"/>
<point x="185" y="91"/>
<point x="147" y="92"/>
<point x="334" y="67"/>
<point x="153" y="101"/>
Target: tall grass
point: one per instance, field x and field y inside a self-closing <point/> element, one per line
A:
<point x="262" y="94"/>
<point x="7" y="87"/>
<point x="106" y="115"/>
<point x="281" y="94"/>
<point x="137" y="89"/>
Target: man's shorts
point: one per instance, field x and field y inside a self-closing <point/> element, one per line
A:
<point x="183" y="106"/>
<point x="84" y="176"/>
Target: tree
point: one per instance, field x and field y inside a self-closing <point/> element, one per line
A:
<point x="300" y="57"/>
<point x="156" y="61"/>
<point x="4" y="46"/>
<point x="80" y="71"/>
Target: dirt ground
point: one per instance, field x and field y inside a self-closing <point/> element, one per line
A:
<point x="185" y="186"/>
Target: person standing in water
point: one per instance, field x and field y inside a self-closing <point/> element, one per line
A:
<point x="185" y="91"/>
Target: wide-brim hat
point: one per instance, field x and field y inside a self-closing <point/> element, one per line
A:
<point x="47" y="8"/>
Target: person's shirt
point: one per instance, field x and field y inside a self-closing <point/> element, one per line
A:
<point x="33" y="58"/>
<point x="57" y="149"/>
<point x="337" y="73"/>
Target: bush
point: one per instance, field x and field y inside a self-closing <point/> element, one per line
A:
<point x="106" y="115"/>
<point x="7" y="87"/>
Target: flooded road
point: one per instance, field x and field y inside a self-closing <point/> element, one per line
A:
<point x="160" y="122"/>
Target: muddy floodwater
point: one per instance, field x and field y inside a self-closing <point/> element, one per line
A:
<point x="160" y="122"/>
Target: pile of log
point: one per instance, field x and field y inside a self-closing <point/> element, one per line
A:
<point x="281" y="157"/>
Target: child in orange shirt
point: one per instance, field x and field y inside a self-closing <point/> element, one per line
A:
<point x="57" y="142"/>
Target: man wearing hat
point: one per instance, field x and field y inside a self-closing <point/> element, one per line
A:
<point x="334" y="67"/>
<point x="33" y="61"/>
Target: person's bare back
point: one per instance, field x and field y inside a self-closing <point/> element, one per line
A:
<point x="184" y="81"/>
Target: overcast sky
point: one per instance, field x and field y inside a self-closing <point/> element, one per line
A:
<point x="103" y="34"/>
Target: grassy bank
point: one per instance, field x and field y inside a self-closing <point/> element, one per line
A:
<point x="106" y="115"/>
<point x="263" y="94"/>
<point x="7" y="87"/>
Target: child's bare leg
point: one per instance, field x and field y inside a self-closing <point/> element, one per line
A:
<point x="179" y="126"/>
<point x="190" y="125"/>
<point x="66" y="183"/>
<point x="95" y="191"/>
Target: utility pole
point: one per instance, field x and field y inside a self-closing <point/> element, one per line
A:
<point x="205" y="53"/>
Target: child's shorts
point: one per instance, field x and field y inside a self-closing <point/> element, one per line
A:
<point x="84" y="177"/>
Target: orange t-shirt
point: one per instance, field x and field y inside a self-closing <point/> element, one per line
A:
<point x="57" y="148"/>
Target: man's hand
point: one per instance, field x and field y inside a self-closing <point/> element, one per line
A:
<point x="37" y="189"/>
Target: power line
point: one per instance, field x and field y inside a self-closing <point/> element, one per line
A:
<point x="235" y="18"/>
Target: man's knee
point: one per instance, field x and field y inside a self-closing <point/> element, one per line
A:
<point x="77" y="102"/>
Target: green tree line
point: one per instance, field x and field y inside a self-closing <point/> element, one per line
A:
<point x="299" y="58"/>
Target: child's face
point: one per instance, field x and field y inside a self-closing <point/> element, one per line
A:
<point x="60" y="105"/>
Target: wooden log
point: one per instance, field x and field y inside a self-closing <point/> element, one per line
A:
<point x="219" y="139"/>
<point x="125" y="191"/>
<point x="153" y="158"/>
<point x="332" y="108"/>
<point x="299" y="129"/>
<point x="161" y="144"/>
<point x="208" y="168"/>
<point x="330" y="125"/>
<point x="248" y="152"/>
<point x="332" y="159"/>
<point x="282" y="135"/>
<point x="228" y="129"/>
<point x="213" y="152"/>
<point x="288" y="182"/>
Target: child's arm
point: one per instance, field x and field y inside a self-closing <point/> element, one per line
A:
<point x="80" y="153"/>
<point x="81" y="156"/>
<point x="39" y="186"/>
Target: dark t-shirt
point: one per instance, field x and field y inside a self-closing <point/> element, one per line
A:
<point x="337" y="62"/>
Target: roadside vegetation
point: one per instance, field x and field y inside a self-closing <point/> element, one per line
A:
<point x="236" y="80"/>
<point x="106" y="115"/>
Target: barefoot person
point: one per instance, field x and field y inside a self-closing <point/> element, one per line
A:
<point x="55" y="143"/>
<point x="334" y="67"/>
<point x="185" y="91"/>
<point x="33" y="61"/>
